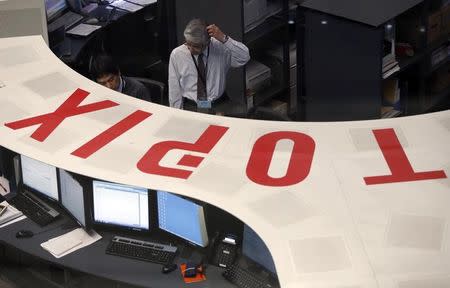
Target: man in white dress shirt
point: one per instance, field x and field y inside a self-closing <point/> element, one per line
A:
<point x="198" y="68"/>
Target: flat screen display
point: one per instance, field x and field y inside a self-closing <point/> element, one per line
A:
<point x="182" y="218"/>
<point x="54" y="8"/>
<point x="120" y="205"/>
<point x="254" y="248"/>
<point x="40" y="177"/>
<point x="72" y="197"/>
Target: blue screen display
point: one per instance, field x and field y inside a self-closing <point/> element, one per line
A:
<point x="254" y="248"/>
<point x="182" y="217"/>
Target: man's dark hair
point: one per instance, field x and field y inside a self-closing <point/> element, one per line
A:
<point x="103" y="64"/>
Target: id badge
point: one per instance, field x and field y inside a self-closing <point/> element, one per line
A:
<point x="205" y="104"/>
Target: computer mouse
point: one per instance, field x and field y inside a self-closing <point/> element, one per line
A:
<point x="24" y="234"/>
<point x="169" y="268"/>
<point x="92" y="21"/>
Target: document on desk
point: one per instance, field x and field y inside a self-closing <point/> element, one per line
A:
<point x="4" y="183"/>
<point x="10" y="215"/>
<point x="65" y="244"/>
<point x="142" y="2"/>
<point x="83" y="29"/>
<point x="128" y="6"/>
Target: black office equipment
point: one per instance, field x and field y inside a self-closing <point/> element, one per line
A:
<point x="24" y="234"/>
<point x="68" y="20"/>
<point x="34" y="208"/>
<point x="73" y="199"/>
<point x="142" y="250"/>
<point x="166" y="269"/>
<point x="225" y="251"/>
<point x="245" y="279"/>
<point x="254" y="248"/>
<point x="58" y="14"/>
<point x="182" y="218"/>
<point x="255" y="268"/>
<point x="36" y="178"/>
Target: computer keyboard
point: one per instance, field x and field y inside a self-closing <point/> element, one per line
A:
<point x="141" y="250"/>
<point x="33" y="209"/>
<point x="68" y="20"/>
<point x="245" y="279"/>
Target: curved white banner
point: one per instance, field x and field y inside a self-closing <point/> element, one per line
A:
<point x="339" y="204"/>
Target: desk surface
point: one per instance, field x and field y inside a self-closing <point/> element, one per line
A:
<point x="324" y="222"/>
<point x="75" y="44"/>
<point x="93" y="260"/>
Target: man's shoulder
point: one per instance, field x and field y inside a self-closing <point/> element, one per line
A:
<point x="180" y="51"/>
<point x="130" y="82"/>
<point x="132" y="86"/>
<point x="135" y="88"/>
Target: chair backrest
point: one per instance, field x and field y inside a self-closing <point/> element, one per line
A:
<point x="156" y="89"/>
<point x="265" y="113"/>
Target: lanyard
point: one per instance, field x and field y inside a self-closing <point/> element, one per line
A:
<point x="206" y="67"/>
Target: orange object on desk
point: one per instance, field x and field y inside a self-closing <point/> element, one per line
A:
<point x="199" y="277"/>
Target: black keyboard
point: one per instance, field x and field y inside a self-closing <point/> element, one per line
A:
<point x="68" y="20"/>
<point x="141" y="250"/>
<point x="245" y="279"/>
<point x="33" y="209"/>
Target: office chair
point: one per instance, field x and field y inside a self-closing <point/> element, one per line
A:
<point x="156" y="89"/>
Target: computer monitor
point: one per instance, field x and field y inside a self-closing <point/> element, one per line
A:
<point x="54" y="8"/>
<point x="182" y="218"/>
<point x="13" y="14"/>
<point x="121" y="205"/>
<point x="73" y="198"/>
<point x="39" y="177"/>
<point x="254" y="248"/>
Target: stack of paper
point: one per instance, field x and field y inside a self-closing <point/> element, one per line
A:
<point x="83" y="29"/>
<point x="10" y="213"/>
<point x="142" y="2"/>
<point x="124" y="5"/>
<point x="70" y="242"/>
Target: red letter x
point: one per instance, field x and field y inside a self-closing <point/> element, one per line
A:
<point x="69" y="108"/>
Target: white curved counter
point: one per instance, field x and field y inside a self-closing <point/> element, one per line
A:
<point x="339" y="204"/>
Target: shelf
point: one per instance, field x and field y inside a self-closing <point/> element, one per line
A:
<point x="269" y="25"/>
<point x="406" y="62"/>
<point x="436" y="99"/>
<point x="437" y="66"/>
<point x="262" y="97"/>
<point x="436" y="44"/>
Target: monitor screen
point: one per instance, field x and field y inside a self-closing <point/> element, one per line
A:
<point x="54" y="8"/>
<point x="72" y="196"/>
<point x="120" y="205"/>
<point x="254" y="248"/>
<point x="182" y="218"/>
<point x="39" y="177"/>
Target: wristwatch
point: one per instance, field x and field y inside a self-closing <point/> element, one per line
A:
<point x="225" y="38"/>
